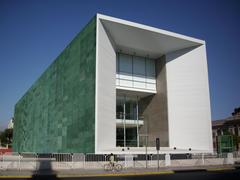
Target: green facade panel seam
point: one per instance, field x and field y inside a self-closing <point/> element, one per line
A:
<point x="57" y="114"/>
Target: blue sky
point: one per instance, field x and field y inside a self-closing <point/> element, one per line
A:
<point x="33" y="33"/>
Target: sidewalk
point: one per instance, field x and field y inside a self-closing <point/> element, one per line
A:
<point x="125" y="172"/>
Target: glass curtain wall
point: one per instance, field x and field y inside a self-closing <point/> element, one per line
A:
<point x="127" y="112"/>
<point x="135" y="72"/>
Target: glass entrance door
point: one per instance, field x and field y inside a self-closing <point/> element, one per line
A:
<point x="127" y="113"/>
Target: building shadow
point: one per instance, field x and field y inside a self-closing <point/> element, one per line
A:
<point x="44" y="169"/>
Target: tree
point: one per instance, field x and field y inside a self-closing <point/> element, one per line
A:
<point x="6" y="137"/>
<point x="236" y="111"/>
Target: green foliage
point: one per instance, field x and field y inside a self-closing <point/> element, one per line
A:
<point x="6" y="137"/>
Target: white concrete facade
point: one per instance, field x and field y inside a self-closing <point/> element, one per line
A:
<point x="188" y="101"/>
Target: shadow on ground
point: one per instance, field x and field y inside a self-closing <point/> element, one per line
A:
<point x="44" y="169"/>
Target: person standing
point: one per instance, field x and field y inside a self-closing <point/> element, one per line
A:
<point x="112" y="160"/>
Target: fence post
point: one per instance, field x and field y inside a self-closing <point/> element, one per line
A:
<point x="84" y="158"/>
<point x="36" y="161"/>
<point x="19" y="162"/>
<point x="151" y="160"/>
<point x="203" y="161"/>
<point x="230" y="158"/>
<point x="167" y="160"/>
<point x="57" y="157"/>
<point x="3" y="160"/>
<point x="72" y="160"/>
<point x="134" y="159"/>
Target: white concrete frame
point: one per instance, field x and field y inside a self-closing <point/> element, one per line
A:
<point x="189" y="114"/>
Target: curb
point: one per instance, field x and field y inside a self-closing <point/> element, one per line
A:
<point x="119" y="174"/>
<point x="91" y="175"/>
<point x="190" y="170"/>
<point x="221" y="169"/>
<point x="15" y="177"/>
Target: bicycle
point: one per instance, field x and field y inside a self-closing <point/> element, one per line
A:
<point x="113" y="166"/>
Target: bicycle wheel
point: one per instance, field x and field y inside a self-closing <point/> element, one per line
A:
<point x="118" y="167"/>
<point x="108" y="167"/>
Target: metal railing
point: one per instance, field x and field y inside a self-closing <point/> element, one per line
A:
<point x="129" y="116"/>
<point x="33" y="161"/>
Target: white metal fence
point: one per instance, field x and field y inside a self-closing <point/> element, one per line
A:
<point x="55" y="161"/>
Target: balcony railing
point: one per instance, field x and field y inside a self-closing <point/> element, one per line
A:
<point x="129" y="116"/>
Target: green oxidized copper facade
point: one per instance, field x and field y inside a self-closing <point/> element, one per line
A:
<point x="57" y="114"/>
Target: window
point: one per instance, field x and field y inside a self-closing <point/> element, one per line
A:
<point x="131" y="108"/>
<point x="135" y="72"/>
<point x="150" y="68"/>
<point x="120" y="107"/>
<point x="139" y="67"/>
<point x="125" y="64"/>
<point x="128" y="116"/>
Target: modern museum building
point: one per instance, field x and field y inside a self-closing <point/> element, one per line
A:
<point x="117" y="87"/>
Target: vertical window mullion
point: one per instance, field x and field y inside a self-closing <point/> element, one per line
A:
<point x="132" y="73"/>
<point x="124" y="123"/>
<point x="137" y="124"/>
<point x="145" y="73"/>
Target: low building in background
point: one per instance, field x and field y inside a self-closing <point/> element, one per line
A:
<point x="226" y="133"/>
